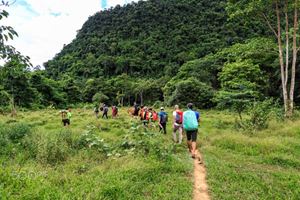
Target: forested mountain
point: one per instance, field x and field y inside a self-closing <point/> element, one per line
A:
<point x="150" y="39"/>
<point x="163" y="52"/>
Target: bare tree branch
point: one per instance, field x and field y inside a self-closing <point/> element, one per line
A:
<point x="269" y="24"/>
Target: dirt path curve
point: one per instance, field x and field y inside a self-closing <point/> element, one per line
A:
<point x="200" y="185"/>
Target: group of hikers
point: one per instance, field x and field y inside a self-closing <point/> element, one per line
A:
<point x="182" y="122"/>
<point x="104" y="108"/>
<point x="186" y="121"/>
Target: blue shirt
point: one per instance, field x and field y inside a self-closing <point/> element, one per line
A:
<point x="162" y="114"/>
<point x="197" y="115"/>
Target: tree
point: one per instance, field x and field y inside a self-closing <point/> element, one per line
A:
<point x="99" y="97"/>
<point x="192" y="90"/>
<point x="241" y="83"/>
<point x="15" y="78"/>
<point x="278" y="13"/>
<point x="9" y="54"/>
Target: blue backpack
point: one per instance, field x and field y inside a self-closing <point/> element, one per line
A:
<point x="190" y="122"/>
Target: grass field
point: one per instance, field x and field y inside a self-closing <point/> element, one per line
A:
<point x="119" y="159"/>
<point x="261" y="165"/>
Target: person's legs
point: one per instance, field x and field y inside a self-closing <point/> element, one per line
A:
<point x="160" y="127"/>
<point x="189" y="140"/>
<point x="105" y="115"/>
<point x="174" y="133"/>
<point x="194" y="143"/>
<point x="180" y="135"/>
<point x="164" y="125"/>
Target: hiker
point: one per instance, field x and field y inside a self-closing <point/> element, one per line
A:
<point x="177" y="124"/>
<point x="190" y="126"/>
<point x="144" y="114"/>
<point x="105" y="111"/>
<point x="152" y="117"/>
<point x="115" y="111"/>
<point x="141" y="112"/>
<point x="163" y="119"/>
<point x="96" y="111"/>
<point x="136" y="109"/>
<point x="66" y="116"/>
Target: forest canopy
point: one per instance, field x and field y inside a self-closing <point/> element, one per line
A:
<point x="156" y="52"/>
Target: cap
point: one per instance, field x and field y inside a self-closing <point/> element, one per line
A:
<point x="190" y="105"/>
<point x="162" y="108"/>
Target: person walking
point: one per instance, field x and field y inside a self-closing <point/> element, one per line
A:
<point x="96" y="111"/>
<point x="190" y="126"/>
<point x="114" y="111"/>
<point x="144" y="114"/>
<point x="66" y="117"/>
<point x="136" y="109"/>
<point x="105" y="111"/>
<point x="177" y="124"/>
<point x="163" y="119"/>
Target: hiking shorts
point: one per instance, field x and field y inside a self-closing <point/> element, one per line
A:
<point x="66" y="122"/>
<point x="136" y="112"/>
<point x="177" y="127"/>
<point x="192" y="135"/>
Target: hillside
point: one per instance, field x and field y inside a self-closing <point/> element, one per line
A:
<point x="149" y="38"/>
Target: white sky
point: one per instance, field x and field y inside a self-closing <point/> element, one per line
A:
<point x="44" y="26"/>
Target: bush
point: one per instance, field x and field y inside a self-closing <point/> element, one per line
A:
<point x="16" y="132"/>
<point x="52" y="151"/>
<point x="259" y="114"/>
<point x="191" y="90"/>
<point x="100" y="97"/>
<point x="90" y="140"/>
<point x="145" y="142"/>
<point x="3" y="137"/>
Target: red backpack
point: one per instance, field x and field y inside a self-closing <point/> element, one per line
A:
<point x="179" y="117"/>
<point x="154" y="116"/>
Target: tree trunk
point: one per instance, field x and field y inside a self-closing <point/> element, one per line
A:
<point x="141" y="97"/>
<point x="286" y="44"/>
<point x="282" y="68"/>
<point x="295" y="51"/>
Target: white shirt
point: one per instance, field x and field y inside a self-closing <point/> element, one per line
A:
<point x="174" y="118"/>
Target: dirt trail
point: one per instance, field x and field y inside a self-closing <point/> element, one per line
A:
<point x="200" y="185"/>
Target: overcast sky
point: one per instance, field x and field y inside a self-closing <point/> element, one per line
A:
<point x="44" y="26"/>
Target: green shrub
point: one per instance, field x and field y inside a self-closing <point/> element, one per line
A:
<point x="52" y="150"/>
<point x="4" y="141"/>
<point x="66" y="136"/>
<point x="16" y="132"/>
<point x="259" y="115"/>
<point x="90" y="140"/>
<point x="145" y="142"/>
<point x="191" y="90"/>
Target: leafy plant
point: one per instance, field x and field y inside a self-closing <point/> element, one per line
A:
<point x="89" y="139"/>
<point x="16" y="132"/>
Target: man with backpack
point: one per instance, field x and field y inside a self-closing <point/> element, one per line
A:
<point x="136" y="109"/>
<point x="114" y="111"/>
<point x="177" y="124"/>
<point x="144" y="114"/>
<point x="190" y="126"/>
<point x="105" y="111"/>
<point x="163" y="119"/>
<point x="66" y="116"/>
